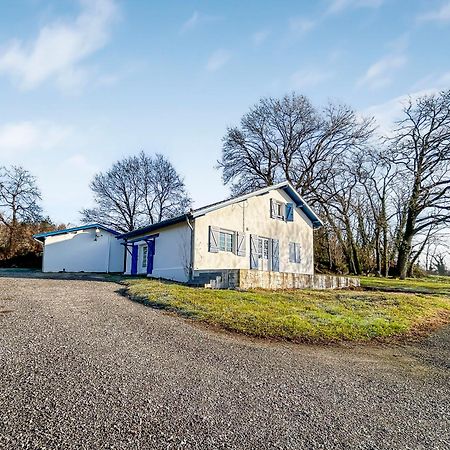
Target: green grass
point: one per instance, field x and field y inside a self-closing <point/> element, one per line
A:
<point x="426" y="285"/>
<point x="300" y="315"/>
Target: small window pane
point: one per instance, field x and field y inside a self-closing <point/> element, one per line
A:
<point x="266" y="249"/>
<point x="297" y="253"/>
<point x="225" y="241"/>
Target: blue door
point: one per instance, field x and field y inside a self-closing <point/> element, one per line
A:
<point x="134" y="259"/>
<point x="150" y="255"/>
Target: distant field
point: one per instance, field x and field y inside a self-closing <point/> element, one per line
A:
<point x="307" y="315"/>
<point x="428" y="285"/>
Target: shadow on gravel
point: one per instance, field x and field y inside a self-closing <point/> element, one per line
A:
<point x="67" y="276"/>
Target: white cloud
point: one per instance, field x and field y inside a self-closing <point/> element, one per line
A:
<point x="309" y="78"/>
<point x="441" y="14"/>
<point x="337" y="6"/>
<point x="61" y="158"/>
<point x="196" y="20"/>
<point x="381" y="72"/>
<point x="260" y="37"/>
<point x="441" y="81"/>
<point x="217" y="60"/>
<point x="387" y="113"/>
<point x="191" y="23"/>
<point x="30" y="137"/>
<point x="301" y="25"/>
<point x="60" y="48"/>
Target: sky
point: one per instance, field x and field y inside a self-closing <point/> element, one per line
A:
<point x="84" y="83"/>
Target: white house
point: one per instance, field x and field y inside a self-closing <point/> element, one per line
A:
<point x="269" y="230"/>
<point x="87" y="248"/>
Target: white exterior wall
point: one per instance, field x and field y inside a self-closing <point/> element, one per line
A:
<point x="252" y="216"/>
<point x="172" y="254"/>
<point x="80" y="252"/>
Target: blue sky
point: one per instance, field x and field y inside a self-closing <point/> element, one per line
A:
<point x="84" y="83"/>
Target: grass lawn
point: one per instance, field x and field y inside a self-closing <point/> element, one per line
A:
<point x="300" y="315"/>
<point x="427" y="285"/>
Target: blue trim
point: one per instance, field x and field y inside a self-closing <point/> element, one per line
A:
<point x="300" y="203"/>
<point x="80" y="228"/>
<point x="134" y="259"/>
<point x="142" y="238"/>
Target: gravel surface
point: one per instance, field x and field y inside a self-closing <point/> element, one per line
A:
<point x="83" y="367"/>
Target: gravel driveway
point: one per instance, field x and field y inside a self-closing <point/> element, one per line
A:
<point x="83" y="367"/>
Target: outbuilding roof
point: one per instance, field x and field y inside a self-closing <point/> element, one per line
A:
<point x="286" y="186"/>
<point x="42" y="236"/>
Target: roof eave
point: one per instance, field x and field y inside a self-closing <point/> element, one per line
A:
<point x="300" y="203"/>
<point x="152" y="228"/>
<point x="70" y="230"/>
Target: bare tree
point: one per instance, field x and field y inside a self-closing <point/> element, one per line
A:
<point x="288" y="139"/>
<point x="439" y="263"/>
<point x="382" y="199"/>
<point x="136" y="191"/>
<point x="19" y="197"/>
<point x="117" y="196"/>
<point x="421" y="149"/>
<point x="162" y="188"/>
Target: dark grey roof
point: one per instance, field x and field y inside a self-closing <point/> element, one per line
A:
<point x="153" y="227"/>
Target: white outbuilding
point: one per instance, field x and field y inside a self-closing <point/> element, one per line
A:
<point x="87" y="248"/>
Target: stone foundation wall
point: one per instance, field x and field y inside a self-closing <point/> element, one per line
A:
<point x="258" y="279"/>
<point x="250" y="279"/>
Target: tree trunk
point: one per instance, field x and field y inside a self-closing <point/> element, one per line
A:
<point x="404" y="251"/>
<point x="378" y="253"/>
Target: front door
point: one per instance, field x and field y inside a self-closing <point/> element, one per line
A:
<point x="263" y="251"/>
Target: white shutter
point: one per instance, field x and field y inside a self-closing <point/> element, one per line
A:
<point x="273" y="211"/>
<point x="275" y="255"/>
<point x="213" y="246"/>
<point x="240" y="243"/>
<point x="254" y="253"/>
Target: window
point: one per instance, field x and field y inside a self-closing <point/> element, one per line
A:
<point x="225" y="241"/>
<point x="263" y="248"/>
<point x="144" y="256"/>
<point x="279" y="210"/>
<point x="295" y="252"/>
<point x="276" y="209"/>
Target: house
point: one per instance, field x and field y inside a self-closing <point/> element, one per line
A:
<point x="87" y="248"/>
<point x="266" y="232"/>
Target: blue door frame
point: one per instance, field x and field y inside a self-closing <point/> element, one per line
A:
<point x="134" y="259"/>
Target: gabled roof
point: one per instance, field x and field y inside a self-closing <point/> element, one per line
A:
<point x="42" y="236"/>
<point x="286" y="186"/>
